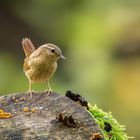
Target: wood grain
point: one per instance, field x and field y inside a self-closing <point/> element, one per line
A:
<point x="39" y="121"/>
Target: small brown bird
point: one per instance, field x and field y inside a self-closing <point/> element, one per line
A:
<point x="40" y="64"/>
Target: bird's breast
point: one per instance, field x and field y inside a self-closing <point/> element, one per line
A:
<point x="42" y="72"/>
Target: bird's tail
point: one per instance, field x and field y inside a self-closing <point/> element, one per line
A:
<point x="28" y="46"/>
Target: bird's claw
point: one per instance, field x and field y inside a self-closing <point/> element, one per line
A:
<point x="31" y="93"/>
<point x="48" y="92"/>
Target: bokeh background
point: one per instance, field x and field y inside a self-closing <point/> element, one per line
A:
<point x="100" y="39"/>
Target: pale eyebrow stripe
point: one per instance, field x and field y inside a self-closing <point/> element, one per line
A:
<point x="49" y="47"/>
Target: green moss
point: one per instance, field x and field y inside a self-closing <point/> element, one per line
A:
<point x="113" y="130"/>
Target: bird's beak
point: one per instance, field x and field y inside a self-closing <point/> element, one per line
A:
<point x="62" y="56"/>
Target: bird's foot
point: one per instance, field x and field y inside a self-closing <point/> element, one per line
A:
<point x="31" y="93"/>
<point x="48" y="92"/>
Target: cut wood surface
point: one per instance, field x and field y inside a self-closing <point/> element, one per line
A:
<point x="38" y="118"/>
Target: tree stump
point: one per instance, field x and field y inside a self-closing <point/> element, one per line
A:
<point x="38" y="118"/>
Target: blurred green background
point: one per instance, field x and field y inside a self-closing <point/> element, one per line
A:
<point x="100" y="39"/>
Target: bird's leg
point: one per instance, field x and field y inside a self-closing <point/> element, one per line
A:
<point x="48" y="90"/>
<point x="30" y="89"/>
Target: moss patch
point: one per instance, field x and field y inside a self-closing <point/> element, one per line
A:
<point x="112" y="130"/>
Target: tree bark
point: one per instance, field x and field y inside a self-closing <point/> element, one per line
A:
<point x="38" y="118"/>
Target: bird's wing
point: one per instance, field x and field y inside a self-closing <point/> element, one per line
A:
<point x="28" y="47"/>
<point x="33" y="60"/>
<point x="25" y="65"/>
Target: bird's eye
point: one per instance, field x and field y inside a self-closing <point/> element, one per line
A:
<point x="52" y="50"/>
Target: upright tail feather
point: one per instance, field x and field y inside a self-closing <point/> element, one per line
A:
<point x="28" y="46"/>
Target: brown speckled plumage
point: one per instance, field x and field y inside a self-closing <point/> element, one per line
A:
<point x="40" y="64"/>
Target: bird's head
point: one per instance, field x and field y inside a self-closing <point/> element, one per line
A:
<point x="53" y="51"/>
